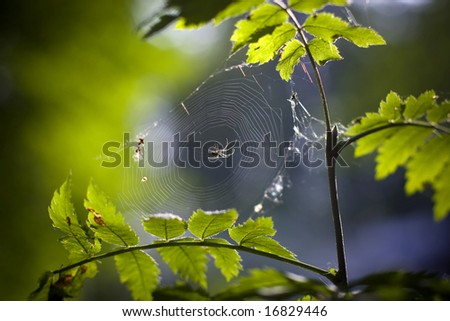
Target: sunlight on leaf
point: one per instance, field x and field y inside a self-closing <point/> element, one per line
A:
<point x="139" y="272"/>
<point x="309" y="6"/>
<point x="236" y="8"/>
<point x="228" y="261"/>
<point x="165" y="226"/>
<point x="323" y="51"/>
<point x="290" y="57"/>
<point x="206" y="224"/>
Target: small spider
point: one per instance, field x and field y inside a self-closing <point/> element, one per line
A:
<point x="217" y="152"/>
<point x="138" y="153"/>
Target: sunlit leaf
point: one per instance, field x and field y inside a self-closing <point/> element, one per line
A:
<point x="228" y="261"/>
<point x="262" y="226"/>
<point x="329" y="27"/>
<point x="398" y="149"/>
<point x="428" y="162"/>
<point x="415" y="134"/>
<point x="263" y="20"/>
<point x="290" y="57"/>
<point x="165" y="226"/>
<point x="441" y="194"/>
<point x="323" y="51"/>
<point x="309" y="6"/>
<point x="206" y="224"/>
<point x="236" y="8"/>
<point x="439" y="113"/>
<point x="416" y="107"/>
<point x="268" y="245"/>
<point x="107" y="224"/>
<point x="190" y="262"/>
<point x="266" y="48"/>
<point x="139" y="272"/>
<point x="63" y="216"/>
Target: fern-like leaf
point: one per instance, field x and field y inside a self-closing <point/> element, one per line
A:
<point x="206" y="224"/>
<point x="413" y="133"/>
<point x="166" y="226"/>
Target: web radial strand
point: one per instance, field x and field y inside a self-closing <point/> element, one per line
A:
<point x="236" y="105"/>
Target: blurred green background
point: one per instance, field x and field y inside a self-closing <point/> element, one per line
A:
<point x="75" y="74"/>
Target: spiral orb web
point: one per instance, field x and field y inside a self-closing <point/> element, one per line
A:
<point x="239" y="105"/>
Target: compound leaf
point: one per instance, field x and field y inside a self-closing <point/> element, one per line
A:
<point x="166" y="226"/>
<point x="323" y="51"/>
<point x="413" y="133"/>
<point x="329" y="28"/>
<point x="63" y="216"/>
<point x="266" y="48"/>
<point x="228" y="261"/>
<point x="262" y="20"/>
<point x="268" y="245"/>
<point x="290" y="57"/>
<point x="190" y="262"/>
<point x="139" y="272"/>
<point x="206" y="224"/>
<point x="309" y="6"/>
<point x="107" y="224"/>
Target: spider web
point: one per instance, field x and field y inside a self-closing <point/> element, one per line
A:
<point x="239" y="103"/>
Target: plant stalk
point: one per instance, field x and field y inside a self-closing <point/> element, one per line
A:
<point x="342" y="279"/>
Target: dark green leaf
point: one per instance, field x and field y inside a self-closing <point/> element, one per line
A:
<point x="139" y="272"/>
<point x="206" y="224"/>
<point x="329" y="28"/>
<point x="182" y="292"/>
<point x="323" y="51"/>
<point x="165" y="226"/>
<point x="290" y="57"/>
<point x="107" y="224"/>
<point x="309" y="6"/>
<point x="266" y="48"/>
<point x="441" y="194"/>
<point x="43" y="289"/>
<point x="190" y="262"/>
<point x="227" y="261"/>
<point x="195" y="13"/>
<point x="263" y="20"/>
<point x="159" y="23"/>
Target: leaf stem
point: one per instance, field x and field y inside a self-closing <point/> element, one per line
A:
<point x="303" y="265"/>
<point x="353" y="139"/>
<point x="331" y="164"/>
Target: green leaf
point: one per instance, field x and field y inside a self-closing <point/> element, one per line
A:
<point x="165" y="226"/>
<point x="370" y="143"/>
<point x="107" y="225"/>
<point x="416" y="108"/>
<point x="262" y="226"/>
<point x="206" y="224"/>
<point x="329" y="28"/>
<point x="391" y="108"/>
<point x="262" y="20"/>
<point x="228" y="261"/>
<point x="414" y="134"/>
<point x="439" y="113"/>
<point x="309" y="6"/>
<point x="268" y="245"/>
<point x="236" y="8"/>
<point x="441" y="195"/>
<point x="323" y="51"/>
<point x="428" y="162"/>
<point x="139" y="272"/>
<point x="62" y="214"/>
<point x="69" y="284"/>
<point x="266" y="48"/>
<point x="290" y="57"/>
<point x="190" y="262"/>
<point x="398" y="149"/>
